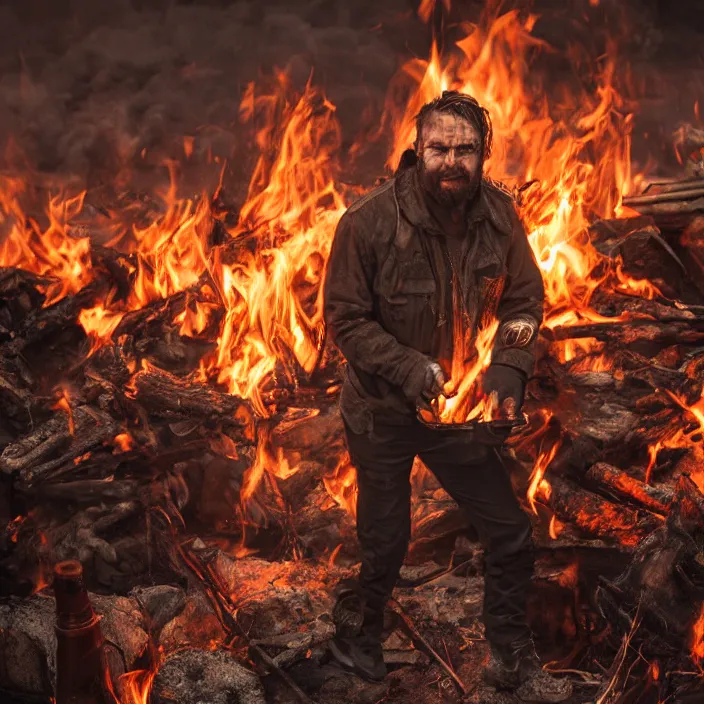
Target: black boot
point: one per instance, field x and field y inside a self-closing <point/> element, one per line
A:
<point x="517" y="668"/>
<point x="358" y="635"/>
<point x="361" y="655"/>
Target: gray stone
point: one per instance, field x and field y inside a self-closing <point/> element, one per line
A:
<point x="205" y="677"/>
<point x="161" y="603"/>
<point x="28" y="645"/>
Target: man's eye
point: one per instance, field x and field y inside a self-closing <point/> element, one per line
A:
<point x="439" y="150"/>
<point x="469" y="149"/>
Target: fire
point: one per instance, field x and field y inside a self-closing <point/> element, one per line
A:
<point x="64" y="404"/>
<point x="45" y="251"/>
<point x="698" y="637"/>
<point x="341" y="484"/>
<point x="533" y="147"/>
<point x="537" y="480"/>
<point x="137" y="686"/>
<point x="124" y="442"/>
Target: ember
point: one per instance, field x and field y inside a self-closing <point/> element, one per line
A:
<point x="170" y="400"/>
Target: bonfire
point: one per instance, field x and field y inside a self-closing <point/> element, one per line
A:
<point x="169" y="407"/>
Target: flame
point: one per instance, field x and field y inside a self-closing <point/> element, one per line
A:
<point x="124" y="442"/>
<point x="99" y="323"/>
<point x="532" y="146"/>
<point x="698" y="637"/>
<point x="341" y="484"/>
<point x="537" y="480"/>
<point x="262" y="286"/>
<point x="64" y="404"/>
<point x="137" y="686"/>
<point x="50" y="251"/>
<point x="555" y="527"/>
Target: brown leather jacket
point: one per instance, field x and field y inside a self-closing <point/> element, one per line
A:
<point x="389" y="293"/>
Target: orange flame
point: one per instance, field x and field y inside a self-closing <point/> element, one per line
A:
<point x="64" y="404"/>
<point x="698" y="637"/>
<point x="137" y="686"/>
<point x="537" y="480"/>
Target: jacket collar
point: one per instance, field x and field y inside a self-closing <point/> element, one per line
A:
<point x="412" y="203"/>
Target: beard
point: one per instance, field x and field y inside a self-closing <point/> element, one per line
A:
<point x="450" y="187"/>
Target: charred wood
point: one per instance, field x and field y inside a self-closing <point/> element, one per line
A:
<point x="594" y="515"/>
<point x="621" y="485"/>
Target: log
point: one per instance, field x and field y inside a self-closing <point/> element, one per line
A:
<point x="69" y="436"/>
<point x="594" y="515"/>
<point x="678" y="207"/>
<point x="167" y="396"/>
<point x="665" y="576"/>
<point x="663" y="197"/>
<point x="620" y="485"/>
<point x="674" y="186"/>
<point x="87" y="491"/>
<point x="631" y="331"/>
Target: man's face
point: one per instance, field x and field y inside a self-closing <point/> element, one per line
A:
<point x="450" y="159"/>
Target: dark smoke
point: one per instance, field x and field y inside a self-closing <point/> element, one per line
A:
<point x="87" y="85"/>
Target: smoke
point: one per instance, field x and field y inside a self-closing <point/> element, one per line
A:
<point x="104" y="90"/>
<point x="100" y="88"/>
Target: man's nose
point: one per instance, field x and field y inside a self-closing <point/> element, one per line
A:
<point x="450" y="157"/>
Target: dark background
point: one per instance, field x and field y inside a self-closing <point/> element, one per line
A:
<point x="86" y="85"/>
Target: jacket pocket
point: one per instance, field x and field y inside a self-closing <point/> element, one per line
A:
<point x="409" y="295"/>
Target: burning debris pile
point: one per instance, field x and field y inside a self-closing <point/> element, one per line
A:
<point x="169" y="413"/>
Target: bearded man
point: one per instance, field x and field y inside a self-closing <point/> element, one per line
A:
<point x="435" y="249"/>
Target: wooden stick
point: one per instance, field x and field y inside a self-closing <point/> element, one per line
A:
<point x="676" y="208"/>
<point x="674" y="186"/>
<point x="422" y="644"/>
<point x="664" y="197"/>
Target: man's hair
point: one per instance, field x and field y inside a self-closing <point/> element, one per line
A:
<point x="464" y="106"/>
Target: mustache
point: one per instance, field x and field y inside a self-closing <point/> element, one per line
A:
<point x="454" y="176"/>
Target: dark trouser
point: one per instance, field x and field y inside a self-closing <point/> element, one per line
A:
<point x="474" y="476"/>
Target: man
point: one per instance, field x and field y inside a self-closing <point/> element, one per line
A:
<point x="436" y="249"/>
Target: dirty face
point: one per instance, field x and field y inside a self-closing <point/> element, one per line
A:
<point x="450" y="158"/>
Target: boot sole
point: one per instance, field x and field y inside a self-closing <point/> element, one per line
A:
<point x="347" y="664"/>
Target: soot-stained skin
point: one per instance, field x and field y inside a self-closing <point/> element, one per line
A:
<point x="450" y="152"/>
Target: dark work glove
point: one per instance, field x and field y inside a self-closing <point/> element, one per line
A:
<point x="509" y="384"/>
<point x="433" y="386"/>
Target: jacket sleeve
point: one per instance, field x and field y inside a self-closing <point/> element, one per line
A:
<point x="349" y="312"/>
<point x="520" y="309"/>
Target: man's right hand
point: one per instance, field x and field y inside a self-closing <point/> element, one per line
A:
<point x="433" y="386"/>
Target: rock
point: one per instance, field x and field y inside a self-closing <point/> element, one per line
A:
<point x="205" y="677"/>
<point x="123" y="624"/>
<point x="277" y="597"/>
<point x="196" y="625"/>
<point x="28" y="645"/>
<point x="28" y="641"/>
<point x="162" y="604"/>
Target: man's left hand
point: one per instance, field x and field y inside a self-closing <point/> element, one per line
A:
<point x="509" y="385"/>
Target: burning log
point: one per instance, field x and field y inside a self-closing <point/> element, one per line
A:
<point x="665" y="578"/>
<point x="166" y="396"/>
<point x="620" y="485"/>
<point x="594" y="515"/>
<point x="631" y="331"/>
